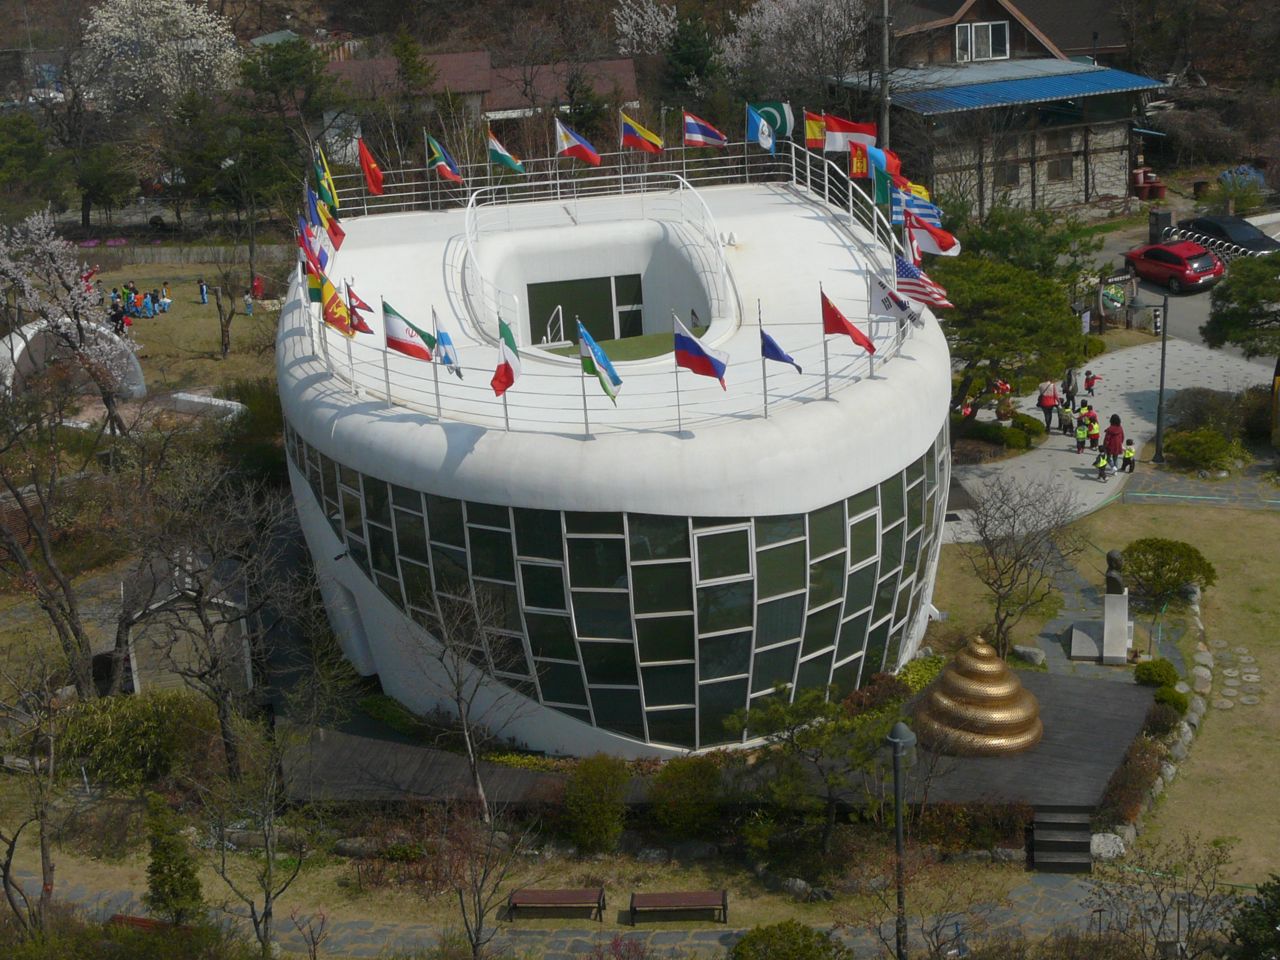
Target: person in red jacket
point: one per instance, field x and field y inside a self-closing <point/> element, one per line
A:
<point x="1113" y="442"/>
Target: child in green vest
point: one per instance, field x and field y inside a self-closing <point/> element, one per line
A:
<point x="1128" y="456"/>
<point x="1102" y="463"/>
<point x="1082" y="434"/>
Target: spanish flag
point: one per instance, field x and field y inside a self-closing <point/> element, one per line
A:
<point x="815" y="130"/>
<point x="638" y="138"/>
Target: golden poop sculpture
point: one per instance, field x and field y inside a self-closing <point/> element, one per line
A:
<point x="978" y="707"/>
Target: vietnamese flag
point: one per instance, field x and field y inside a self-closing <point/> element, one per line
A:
<point x="372" y="172"/>
<point x="834" y="322"/>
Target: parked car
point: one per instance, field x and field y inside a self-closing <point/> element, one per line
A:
<point x="1181" y="265"/>
<point x="1234" y="230"/>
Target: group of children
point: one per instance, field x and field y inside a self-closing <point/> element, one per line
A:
<point x="129" y="303"/>
<point x="1081" y="421"/>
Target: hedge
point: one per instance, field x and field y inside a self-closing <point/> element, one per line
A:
<point x="1156" y="673"/>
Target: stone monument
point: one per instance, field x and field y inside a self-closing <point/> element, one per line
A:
<point x="1110" y="640"/>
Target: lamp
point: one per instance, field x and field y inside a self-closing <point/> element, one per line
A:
<point x="1164" y="349"/>
<point x="901" y="740"/>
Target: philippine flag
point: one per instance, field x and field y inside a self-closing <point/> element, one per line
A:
<point x="692" y="355"/>
<point x="699" y="133"/>
<point x="573" y="144"/>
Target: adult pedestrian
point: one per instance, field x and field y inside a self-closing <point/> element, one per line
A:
<point x="1047" y="401"/>
<point x="1113" y="442"/>
<point x="204" y="291"/>
<point x="1070" y="385"/>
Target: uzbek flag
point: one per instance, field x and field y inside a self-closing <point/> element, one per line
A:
<point x="508" y="360"/>
<point x="403" y="336"/>
<point x="596" y="364"/>
<point x="639" y="138"/>
<point x="834" y="322"/>
<point x="438" y="159"/>
<point x="500" y="156"/>
<point x="573" y="144"/>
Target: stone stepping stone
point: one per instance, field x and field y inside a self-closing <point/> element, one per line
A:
<point x="1242" y="650"/>
<point x="1231" y="672"/>
<point x="1251" y="688"/>
<point x="1230" y="692"/>
<point x="1217" y="644"/>
<point x="1248" y="660"/>
<point x="1223" y="704"/>
<point x="1253" y="678"/>
<point x="1232" y="682"/>
<point x="1251" y="701"/>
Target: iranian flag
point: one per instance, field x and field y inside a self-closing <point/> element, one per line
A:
<point x="403" y="336"/>
<point x="500" y="156"/>
<point x="508" y="360"/>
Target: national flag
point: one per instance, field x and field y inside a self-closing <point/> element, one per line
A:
<point x="699" y="133"/>
<point x="759" y="130"/>
<point x="324" y="181"/>
<point x="403" y="336"/>
<point x="354" y="306"/>
<point x="833" y="322"/>
<point x="930" y="239"/>
<point x="915" y="283"/>
<point x="372" y="172"/>
<point x="770" y="350"/>
<point x="333" y="309"/>
<point x="692" y="355"/>
<point x="777" y="113"/>
<point x="500" y="156"/>
<point x="316" y="257"/>
<point x="926" y="211"/>
<point x="911" y="247"/>
<point x="313" y="285"/>
<point x="859" y="164"/>
<point x="815" y="130"/>
<point x="840" y="133"/>
<point x="637" y="137"/>
<point x="920" y="191"/>
<point x="508" y="359"/>
<point x="438" y="159"/>
<point x="445" y="351"/>
<point x="332" y="229"/>
<point x="891" y="162"/>
<point x="573" y="144"/>
<point x="884" y="184"/>
<point x="893" y="304"/>
<point x="596" y="364"/>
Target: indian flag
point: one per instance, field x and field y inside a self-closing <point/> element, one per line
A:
<point x="596" y="364"/>
<point x="508" y="360"/>
<point x="403" y="336"/>
<point x="500" y="156"/>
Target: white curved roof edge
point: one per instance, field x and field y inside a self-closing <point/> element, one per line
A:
<point x="16" y="344"/>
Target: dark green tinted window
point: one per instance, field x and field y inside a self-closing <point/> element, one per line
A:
<point x="351" y="513"/>
<point x="538" y="534"/>
<point x="672" y="726"/>
<point x="724" y="656"/>
<point x="931" y="465"/>
<point x="821" y="628"/>
<point x="598" y="563"/>
<point x="626" y="290"/>
<point x="662" y="586"/>
<point x="404" y="497"/>
<point x="577" y="522"/>
<point x="412" y="535"/>
<point x="885" y="592"/>
<point x="891" y="504"/>
<point x="725" y="606"/>
<point x="584" y="715"/>
<point x="845" y="678"/>
<point x="391" y="587"/>
<point x="417" y="585"/>
<point x="877" y="640"/>
<point x="491" y="555"/>
<point x="376" y="503"/>
<point x="543" y="586"/>
<point x="774" y="668"/>
<point x="826" y="580"/>
<point x="488" y="514"/>
<point x="608" y="662"/>
<point x="702" y="523"/>
<point x="451" y="570"/>
<point x="777" y="529"/>
<point x="826" y="530"/>
<point x="779" y="620"/>
<point x="382" y="550"/>
<point x="507" y="654"/>
<point x="630" y="323"/>
<point x="619" y="711"/>
<point x="723" y="555"/>
<point x="602" y="614"/>
<point x="862" y="502"/>
<point x="895" y="645"/>
<point x="891" y="547"/>
<point x="359" y="553"/>
<point x="348" y="476"/>
<point x="551" y="636"/>
<point x="561" y="683"/>
<point x="915" y="506"/>
<point x="814" y="674"/>
<point x="900" y="605"/>
<point x="782" y="569"/>
<point x="668" y="686"/>
<point x="445" y="519"/>
<point x="862" y="538"/>
<point x="915" y="470"/>
<point x="717" y="702"/>
<point x="499" y="605"/>
<point x="861" y="588"/>
<point x="658" y="538"/>
<point x="911" y="558"/>
<point x="328" y="481"/>
<point x="427" y="620"/>
<point x="853" y="636"/>
<point x="665" y="638"/>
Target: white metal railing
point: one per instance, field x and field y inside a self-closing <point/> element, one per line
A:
<point x="1227" y="250"/>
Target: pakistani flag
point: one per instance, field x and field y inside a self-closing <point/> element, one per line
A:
<point x="776" y="113"/>
<point x="596" y="364"/>
<point x="500" y="156"/>
<point x="508" y="360"/>
<point x="403" y="336"/>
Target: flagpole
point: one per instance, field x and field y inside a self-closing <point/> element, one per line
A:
<point x="746" y="165"/>
<point x="764" y="368"/>
<point x="435" y="363"/>
<point x="871" y="357"/>
<point x="586" y="423"/>
<point x="351" y="364"/>
<point x="826" y="370"/>
<point x="506" y="420"/>
<point x="386" y="352"/>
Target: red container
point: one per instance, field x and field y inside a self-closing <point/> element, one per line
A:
<point x="1139" y="176"/>
<point x="1158" y="190"/>
<point x="1142" y="191"/>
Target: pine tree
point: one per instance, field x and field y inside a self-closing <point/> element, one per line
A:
<point x="173" y="888"/>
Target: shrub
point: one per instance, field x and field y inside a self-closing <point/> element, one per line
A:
<point x="595" y="803"/>
<point x="1094" y="346"/>
<point x="972" y="826"/>
<point x="989" y="431"/>
<point x="1129" y="786"/>
<point x="394" y="714"/>
<point x="1156" y="673"/>
<point x="882" y="690"/>
<point x="126" y="741"/>
<point x="685" y="796"/>
<point x="1175" y="699"/>
<point x="1031" y="426"/>
<point x="255" y="437"/>
<point x="1162" y="719"/>
<point x="1197" y="408"/>
<point x="1255" y="414"/>
<point x="1202" y="449"/>
<point x="789" y="940"/>
<point x="921" y="672"/>
<point x="173" y="882"/>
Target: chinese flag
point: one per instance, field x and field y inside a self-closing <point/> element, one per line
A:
<point x="859" y="164"/>
<point x="372" y="172"/>
<point x="833" y="321"/>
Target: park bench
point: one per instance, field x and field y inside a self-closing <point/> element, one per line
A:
<point x="591" y="898"/>
<point x="716" y="901"/>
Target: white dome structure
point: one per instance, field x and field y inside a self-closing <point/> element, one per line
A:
<point x="33" y="345"/>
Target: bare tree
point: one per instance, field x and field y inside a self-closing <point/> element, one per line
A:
<point x="1021" y="539"/>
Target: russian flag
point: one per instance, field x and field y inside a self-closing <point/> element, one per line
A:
<point x="699" y="133"/>
<point x="573" y="144"/>
<point x="693" y="356"/>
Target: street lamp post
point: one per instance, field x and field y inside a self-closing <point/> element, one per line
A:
<point x="1164" y="346"/>
<point x="901" y="740"/>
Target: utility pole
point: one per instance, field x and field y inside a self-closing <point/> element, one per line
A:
<point x="884" y="75"/>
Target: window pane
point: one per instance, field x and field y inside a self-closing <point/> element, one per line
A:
<point x="672" y="726"/>
<point x="895" y="647"/>
<point x="982" y="41"/>
<point x="584" y="715"/>
<point x="351" y="513"/>
<point x="412" y="535"/>
<point x="451" y="570"/>
<point x="619" y="711"/>
<point x="602" y="614"/>
<point x="717" y="702"/>
<point x="626" y="289"/>
<point x="891" y="500"/>
<point x="404" y="497"/>
<point x="724" y="656"/>
<point x="488" y="514"/>
<point x="725" y="607"/>
<point x="862" y="539"/>
<point x="862" y="502"/>
<point x="609" y="662"/>
<point x="538" y="534"/>
<point x="877" y="640"/>
<point x="382" y="550"/>
<point x="658" y="538"/>
<point x="821" y="628"/>
<point x="391" y="587"/>
<point x="498" y="605"/>
<point x="543" y="586"/>
<point x="776" y="529"/>
<point x="962" y="42"/>
<point x="779" y="620"/>
<point x="445" y="519"/>
<point x="359" y="553"/>
<point x="845" y="678"/>
<point x="999" y="40"/>
<point x="826" y="580"/>
<point x="417" y="585"/>
<point x="891" y="547"/>
<point x="349" y="476"/>
<point x="376" y="502"/>
<point x="900" y="605"/>
<point x="665" y="638"/>
<point x="781" y="569"/>
<point x="853" y="636"/>
<point x="774" y="668"/>
<point x="507" y="654"/>
<point x="580" y="522"/>
<point x="915" y="470"/>
<point x="915" y="506"/>
<point x="814" y="674"/>
<point x="669" y="685"/>
<point x="491" y="555"/>
<point x="562" y="683"/>
<point x="630" y="323"/>
<point x="702" y="523"/>
<point x="911" y="558"/>
<point x="550" y="636"/>
<point x="662" y="586"/>
<point x="885" y="593"/>
<point x="723" y="555"/>
<point x="826" y="529"/>
<point x="328" y="480"/>
<point x="861" y="588"/>
<point x="598" y="563"/>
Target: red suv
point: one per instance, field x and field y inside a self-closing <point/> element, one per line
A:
<point x="1181" y="265"/>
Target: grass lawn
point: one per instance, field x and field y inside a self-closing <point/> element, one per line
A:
<point x="1120" y="338"/>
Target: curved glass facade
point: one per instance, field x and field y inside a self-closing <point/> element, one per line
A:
<point x="654" y="627"/>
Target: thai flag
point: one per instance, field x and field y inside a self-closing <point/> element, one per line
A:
<point x="573" y="144"/>
<point x="692" y="355"/>
<point x="699" y="133"/>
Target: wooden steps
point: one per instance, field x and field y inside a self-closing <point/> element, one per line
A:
<point x="1060" y="839"/>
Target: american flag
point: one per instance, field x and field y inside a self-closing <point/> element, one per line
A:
<point x="915" y="283"/>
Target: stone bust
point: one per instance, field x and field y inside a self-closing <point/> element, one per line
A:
<point x="1115" y="572"/>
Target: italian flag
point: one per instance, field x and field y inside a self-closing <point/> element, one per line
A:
<point x="508" y="360"/>
<point x="403" y="336"/>
<point x="500" y="156"/>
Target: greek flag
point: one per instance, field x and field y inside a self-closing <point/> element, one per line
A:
<point x="922" y="208"/>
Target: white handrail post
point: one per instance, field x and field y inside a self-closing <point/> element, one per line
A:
<point x="791" y="148"/>
<point x="826" y="370"/>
